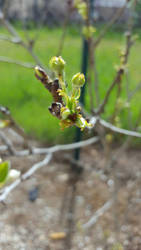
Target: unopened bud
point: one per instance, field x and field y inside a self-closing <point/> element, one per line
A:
<point x="65" y="113"/>
<point x="13" y="175"/>
<point x="40" y="73"/>
<point x="57" y="64"/>
<point x="78" y="80"/>
<point x="88" y="31"/>
<point x="81" y="122"/>
<point x="83" y="10"/>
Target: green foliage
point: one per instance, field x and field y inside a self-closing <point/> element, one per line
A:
<point x="4" y="171"/>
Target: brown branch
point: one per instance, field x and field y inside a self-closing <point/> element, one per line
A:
<point x="7" y="142"/>
<point x="16" y="37"/>
<point x="66" y="22"/>
<point x="110" y="24"/>
<point x="12" y="123"/>
<point x="118" y="77"/>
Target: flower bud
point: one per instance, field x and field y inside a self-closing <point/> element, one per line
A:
<point x="81" y="122"/>
<point x="13" y="175"/>
<point x="40" y="73"/>
<point x="57" y="64"/>
<point x="88" y="31"/>
<point x="78" y="80"/>
<point x="83" y="10"/>
<point x="65" y="113"/>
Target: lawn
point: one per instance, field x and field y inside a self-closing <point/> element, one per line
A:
<point x="29" y="101"/>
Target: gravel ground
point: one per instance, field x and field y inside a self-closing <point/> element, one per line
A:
<point x="26" y="224"/>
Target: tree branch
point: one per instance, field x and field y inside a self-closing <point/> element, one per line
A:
<point x="7" y="190"/>
<point x="95" y="120"/>
<point x="97" y="214"/>
<point x="109" y="25"/>
<point x="118" y="77"/>
<point x="16" y="38"/>
<point x="12" y="61"/>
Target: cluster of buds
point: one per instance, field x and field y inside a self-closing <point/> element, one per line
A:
<point x="65" y="106"/>
<point x="82" y="8"/>
<point x="88" y="31"/>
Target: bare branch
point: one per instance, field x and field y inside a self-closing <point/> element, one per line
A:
<point x="7" y="142"/>
<point x="20" y="131"/>
<point x="10" y="39"/>
<point x="19" y="40"/>
<point x="132" y="93"/>
<point x="119" y="130"/>
<point x="12" y="61"/>
<point x="109" y="25"/>
<point x="7" y="190"/>
<point x="60" y="147"/>
<point x="57" y="147"/>
<point x="98" y="214"/>
<point x="96" y="120"/>
<point x="119" y="75"/>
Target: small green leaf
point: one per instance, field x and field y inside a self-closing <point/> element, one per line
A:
<point x="4" y="170"/>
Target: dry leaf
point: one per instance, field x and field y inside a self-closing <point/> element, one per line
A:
<point x="57" y="236"/>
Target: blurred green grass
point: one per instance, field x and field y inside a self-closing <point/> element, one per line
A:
<point x="29" y="101"/>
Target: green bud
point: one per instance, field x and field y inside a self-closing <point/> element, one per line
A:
<point x="78" y="80"/>
<point x="40" y="73"/>
<point x="57" y="64"/>
<point x="81" y="122"/>
<point x="65" y="112"/>
<point x="88" y="31"/>
<point x="83" y="10"/>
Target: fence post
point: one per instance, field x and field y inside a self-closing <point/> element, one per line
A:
<point x="84" y="68"/>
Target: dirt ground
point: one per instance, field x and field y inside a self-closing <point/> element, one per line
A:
<point x="28" y="225"/>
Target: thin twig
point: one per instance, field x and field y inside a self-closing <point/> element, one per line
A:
<point x="57" y="147"/>
<point x="7" y="190"/>
<point x="119" y="130"/>
<point x="132" y="93"/>
<point x="95" y="120"/>
<point x="17" y="37"/>
<point x="8" y="143"/>
<point x="119" y="75"/>
<point x="12" y="61"/>
<point x="98" y="214"/>
<point x="109" y="25"/>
